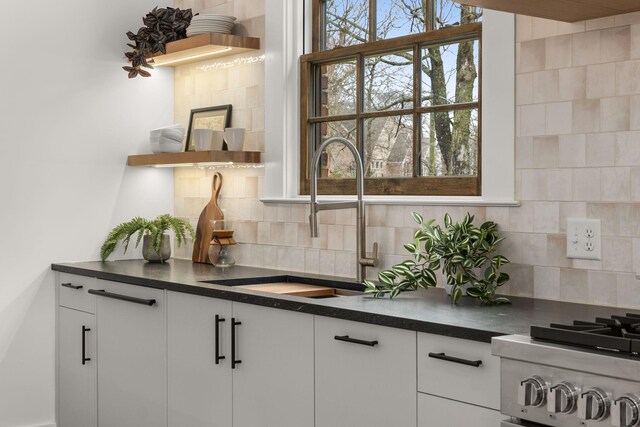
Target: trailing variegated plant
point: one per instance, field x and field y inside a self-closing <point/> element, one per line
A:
<point x="463" y="251"/>
<point x="161" y="26"/>
<point x="155" y="229"/>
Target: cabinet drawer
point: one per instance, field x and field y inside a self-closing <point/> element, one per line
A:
<point x="439" y="412"/>
<point x="357" y="365"/>
<point x="73" y="292"/>
<point x="442" y="370"/>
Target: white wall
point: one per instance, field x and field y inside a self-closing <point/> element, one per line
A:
<point x="69" y="116"/>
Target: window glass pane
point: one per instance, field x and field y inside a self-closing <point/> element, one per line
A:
<point x="450" y="73"/>
<point x="336" y="161"/>
<point x="347" y="22"/>
<point x="448" y="13"/>
<point x="388" y="143"/>
<point x="449" y="143"/>
<point x="396" y="18"/>
<point x="388" y="81"/>
<point x="337" y="88"/>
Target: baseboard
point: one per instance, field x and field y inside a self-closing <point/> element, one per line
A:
<point x="46" y="425"/>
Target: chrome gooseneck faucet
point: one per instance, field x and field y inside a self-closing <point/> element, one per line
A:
<point x="361" y="246"/>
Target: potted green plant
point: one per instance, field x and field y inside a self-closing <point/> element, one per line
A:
<point x="463" y="251"/>
<point x="155" y="242"/>
<point x="161" y="26"/>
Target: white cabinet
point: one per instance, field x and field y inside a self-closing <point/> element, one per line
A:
<point x="131" y="356"/>
<point x="199" y="385"/>
<point x="132" y="348"/>
<point x="439" y="412"/>
<point x="72" y="292"/>
<point x="462" y="380"/>
<point x="269" y="385"/>
<point x="458" y="369"/>
<point x="273" y="384"/>
<point x="365" y="375"/>
<point x="76" y="369"/>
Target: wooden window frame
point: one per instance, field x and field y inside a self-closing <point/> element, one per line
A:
<point x="416" y="185"/>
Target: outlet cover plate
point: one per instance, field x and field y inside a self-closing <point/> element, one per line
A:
<point x="584" y="238"/>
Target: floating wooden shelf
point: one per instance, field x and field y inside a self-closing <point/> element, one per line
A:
<point x="205" y="46"/>
<point x="560" y="10"/>
<point x="196" y="158"/>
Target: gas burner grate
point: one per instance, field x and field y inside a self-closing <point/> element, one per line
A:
<point x="618" y="333"/>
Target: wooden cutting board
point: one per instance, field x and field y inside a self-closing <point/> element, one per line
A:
<point x="204" y="231"/>
<point x="297" y="289"/>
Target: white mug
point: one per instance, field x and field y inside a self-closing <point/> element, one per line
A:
<point x="217" y="139"/>
<point x="234" y="138"/>
<point x="202" y="139"/>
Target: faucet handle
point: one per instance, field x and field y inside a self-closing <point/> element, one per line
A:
<point x="373" y="261"/>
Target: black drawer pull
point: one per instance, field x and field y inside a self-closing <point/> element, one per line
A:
<point x="346" y="338"/>
<point x="217" y="339"/>
<point x="85" y="359"/>
<point x="69" y="285"/>
<point x="442" y="356"/>
<point x="103" y="293"/>
<point x="234" y="361"/>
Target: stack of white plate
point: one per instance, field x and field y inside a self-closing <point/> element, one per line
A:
<point x="167" y="139"/>
<point x="210" y="23"/>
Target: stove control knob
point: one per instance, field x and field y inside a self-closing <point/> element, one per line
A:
<point x="562" y="398"/>
<point x="625" y="412"/>
<point x="594" y="405"/>
<point x="532" y="392"/>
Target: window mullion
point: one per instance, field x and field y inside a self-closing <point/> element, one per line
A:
<point x="373" y="20"/>
<point x="417" y="102"/>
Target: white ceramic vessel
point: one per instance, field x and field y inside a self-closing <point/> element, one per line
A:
<point x="234" y="138"/>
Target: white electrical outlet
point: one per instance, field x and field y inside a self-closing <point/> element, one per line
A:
<point x="584" y="239"/>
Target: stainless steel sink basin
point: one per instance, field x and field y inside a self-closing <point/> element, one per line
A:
<point x="295" y="285"/>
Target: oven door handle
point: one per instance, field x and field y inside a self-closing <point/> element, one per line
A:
<point x="442" y="356"/>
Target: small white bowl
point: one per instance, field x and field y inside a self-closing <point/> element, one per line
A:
<point x="170" y="146"/>
<point x="176" y="134"/>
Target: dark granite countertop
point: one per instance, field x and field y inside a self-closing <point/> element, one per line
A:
<point x="424" y="311"/>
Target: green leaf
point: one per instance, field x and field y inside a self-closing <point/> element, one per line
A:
<point x="456" y="294"/>
<point x="385" y="279"/>
<point x="400" y="268"/>
<point x="430" y="277"/>
<point x="474" y="292"/>
<point x="447" y="220"/>
<point x="502" y="279"/>
<point x="417" y="217"/>
<point x="457" y="259"/>
<point x="502" y="300"/>
<point x="410" y="247"/>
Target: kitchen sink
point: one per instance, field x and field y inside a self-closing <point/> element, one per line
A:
<point x="295" y="285"/>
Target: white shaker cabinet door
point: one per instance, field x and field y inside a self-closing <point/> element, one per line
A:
<point x="365" y="375"/>
<point x="439" y="412"/>
<point x="132" y="350"/>
<point x="273" y="374"/>
<point x="76" y="368"/>
<point x="199" y="361"/>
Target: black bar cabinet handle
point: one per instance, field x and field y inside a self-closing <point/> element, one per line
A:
<point x="85" y="359"/>
<point x="69" y="285"/>
<point x="234" y="361"/>
<point x="217" y="339"/>
<point x="346" y="338"/>
<point x="442" y="356"/>
<point x="103" y="293"/>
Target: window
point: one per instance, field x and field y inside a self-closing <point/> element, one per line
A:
<point x="400" y="79"/>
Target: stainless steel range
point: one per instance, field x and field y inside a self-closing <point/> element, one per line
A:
<point x="583" y="374"/>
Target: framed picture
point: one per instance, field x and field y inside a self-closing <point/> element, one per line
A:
<point x="214" y="118"/>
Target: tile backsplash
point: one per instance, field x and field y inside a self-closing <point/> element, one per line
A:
<point x="577" y="155"/>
